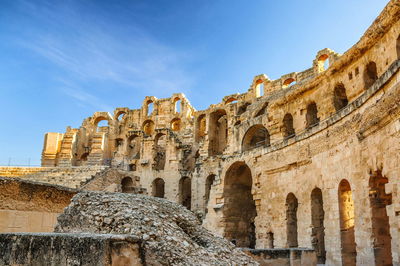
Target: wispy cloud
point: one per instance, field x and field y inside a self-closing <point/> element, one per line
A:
<point x="103" y="52"/>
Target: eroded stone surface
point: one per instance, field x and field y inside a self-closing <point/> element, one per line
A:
<point x="171" y="234"/>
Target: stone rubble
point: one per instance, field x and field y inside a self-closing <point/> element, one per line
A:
<point x="171" y="234"/>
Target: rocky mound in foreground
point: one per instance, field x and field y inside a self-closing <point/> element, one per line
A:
<point x="171" y="234"/>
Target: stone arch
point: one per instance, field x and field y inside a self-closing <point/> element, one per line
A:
<point x="291" y="220"/>
<point x="177" y="105"/>
<point x="101" y="122"/>
<point x="239" y="209"/>
<point x="255" y="136"/>
<point x="288" y="82"/>
<point x="317" y="223"/>
<point x="133" y="147"/>
<point x="259" y="88"/>
<point x="149" y="107"/>
<point x="185" y="192"/>
<point x="339" y="97"/>
<point x="148" y="127"/>
<point x="201" y="127"/>
<point x="312" y="115"/>
<point x="381" y="237"/>
<point x="176" y="124"/>
<point x="209" y="182"/>
<point x="160" y="150"/>
<point x="218" y="132"/>
<point x="346" y="211"/>
<point x="288" y="129"/>
<point x="231" y="100"/>
<point x="120" y="115"/>
<point x="158" y="188"/>
<point x="323" y="62"/>
<point x="370" y="74"/>
<point x="127" y="185"/>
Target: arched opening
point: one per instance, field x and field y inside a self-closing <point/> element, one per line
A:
<point x="259" y="88"/>
<point x="243" y="108"/>
<point x="289" y="82"/>
<point x="119" y="146"/>
<point x="218" y="132"/>
<point x="158" y="188"/>
<point x="317" y="222"/>
<point x="209" y="181"/>
<point x="239" y="207"/>
<point x="381" y="238"/>
<point x="177" y="105"/>
<point x="312" y="115"/>
<point x="160" y="149"/>
<point x="370" y="75"/>
<point x="176" y="124"/>
<point x="101" y="124"/>
<point x="120" y="115"/>
<point x="127" y="185"/>
<point x="255" y="136"/>
<point x="201" y="127"/>
<point x="262" y="111"/>
<point x="288" y="129"/>
<point x="291" y="220"/>
<point x="346" y="210"/>
<point x="84" y="158"/>
<point x="398" y="47"/>
<point x="339" y="97"/>
<point x="133" y="147"/>
<point x="231" y="100"/>
<point x="149" y="108"/>
<point x="185" y="192"/>
<point x="148" y="127"/>
<point x="323" y="62"/>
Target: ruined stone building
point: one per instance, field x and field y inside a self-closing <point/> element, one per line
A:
<point x="311" y="159"/>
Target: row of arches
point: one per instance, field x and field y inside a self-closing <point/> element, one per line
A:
<point x="239" y="213"/>
<point x="381" y="238"/>
<point x="177" y="106"/>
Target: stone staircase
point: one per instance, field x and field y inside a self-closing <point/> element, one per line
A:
<point x="71" y="177"/>
<point x="66" y="149"/>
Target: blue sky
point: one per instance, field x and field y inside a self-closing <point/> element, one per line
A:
<point x="63" y="60"/>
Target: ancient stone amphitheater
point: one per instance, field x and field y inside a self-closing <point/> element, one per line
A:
<point x="310" y="160"/>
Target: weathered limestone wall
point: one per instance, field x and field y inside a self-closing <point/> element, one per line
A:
<point x="31" y="207"/>
<point x="12" y="171"/>
<point x="69" y="249"/>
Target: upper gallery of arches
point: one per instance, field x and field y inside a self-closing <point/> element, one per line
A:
<point x="333" y="83"/>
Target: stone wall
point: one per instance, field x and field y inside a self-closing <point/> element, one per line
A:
<point x="31" y="207"/>
<point x="312" y="156"/>
<point x="70" y="249"/>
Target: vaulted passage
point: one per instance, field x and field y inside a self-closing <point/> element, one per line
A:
<point x="370" y="74"/>
<point x="346" y="210"/>
<point x="291" y="220"/>
<point x="381" y="238"/>
<point x="239" y="207"/>
<point x="209" y="181"/>
<point x="255" y="136"/>
<point x="398" y="47"/>
<point x="288" y="129"/>
<point x="312" y="115"/>
<point x="133" y="147"/>
<point x="159" y="151"/>
<point x="339" y="97"/>
<point x="127" y="185"/>
<point x="218" y="132"/>
<point x="185" y="192"/>
<point x="158" y="188"/>
<point x="317" y="221"/>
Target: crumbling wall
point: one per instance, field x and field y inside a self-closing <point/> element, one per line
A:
<point x="31" y="207"/>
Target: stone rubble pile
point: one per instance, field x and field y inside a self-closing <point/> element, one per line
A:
<point x="171" y="234"/>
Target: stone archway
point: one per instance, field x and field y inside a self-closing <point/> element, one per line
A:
<point x="239" y="208"/>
